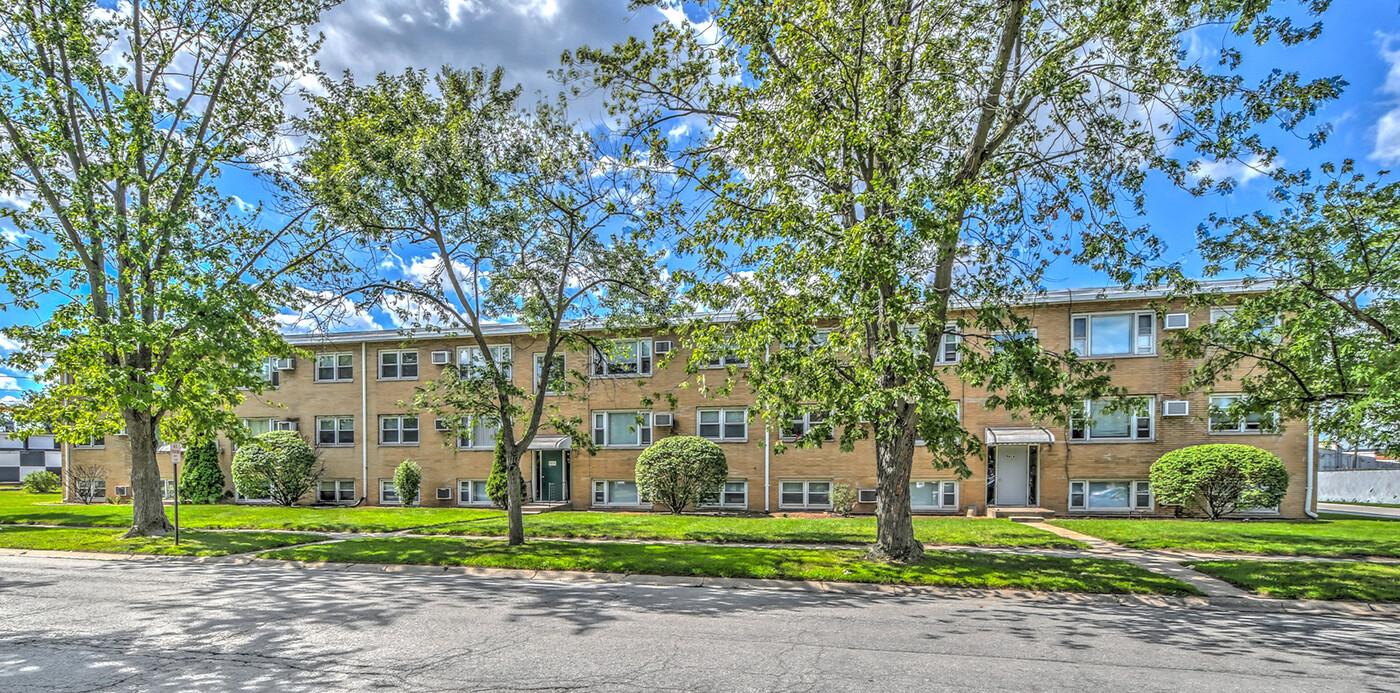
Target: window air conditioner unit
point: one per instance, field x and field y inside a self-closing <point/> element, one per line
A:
<point x="442" y="358"/>
<point x="661" y="347"/>
<point x="123" y="491"/>
<point x="1176" y="407"/>
<point x="286" y="425"/>
<point x="444" y="493"/>
<point x="1177" y="321"/>
<point x="286" y="364"/>
<point x="441" y="425"/>
<point x="663" y="419"/>
<point x="868" y="495"/>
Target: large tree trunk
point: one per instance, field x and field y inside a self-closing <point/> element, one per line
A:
<point x="147" y="500"/>
<point x="894" y="521"/>
<point x="515" y="535"/>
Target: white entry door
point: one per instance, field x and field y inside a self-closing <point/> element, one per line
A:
<point x="1013" y="472"/>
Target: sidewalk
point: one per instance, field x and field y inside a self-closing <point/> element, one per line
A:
<point x="1359" y="510"/>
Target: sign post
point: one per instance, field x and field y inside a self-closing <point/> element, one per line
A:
<point x="175" y="464"/>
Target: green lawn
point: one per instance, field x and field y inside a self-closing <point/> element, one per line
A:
<point x="1370" y="582"/>
<point x="596" y="525"/>
<point x="17" y="507"/>
<point x="1327" y="538"/>
<point x="941" y="568"/>
<point x="192" y="543"/>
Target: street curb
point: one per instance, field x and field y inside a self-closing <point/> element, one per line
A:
<point x="1250" y="604"/>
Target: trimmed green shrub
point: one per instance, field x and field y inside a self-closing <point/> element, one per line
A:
<point x="201" y="480"/>
<point x="681" y="470"/>
<point x="42" y="482"/>
<point x="1219" y="479"/>
<point x="498" y="483"/>
<point x="843" y="499"/>
<point x="279" y="465"/>
<point x="408" y="481"/>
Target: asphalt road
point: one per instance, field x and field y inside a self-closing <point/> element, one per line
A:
<point x="86" y="625"/>
<point x="1363" y="510"/>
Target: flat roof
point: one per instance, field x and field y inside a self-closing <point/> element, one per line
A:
<point x="1056" y="296"/>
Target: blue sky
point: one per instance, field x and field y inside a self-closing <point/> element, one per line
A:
<point x="1361" y="42"/>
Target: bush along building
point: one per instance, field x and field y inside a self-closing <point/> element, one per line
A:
<point x="345" y="400"/>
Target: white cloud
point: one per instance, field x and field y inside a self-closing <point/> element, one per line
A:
<point x="324" y="312"/>
<point x="1387" y="147"/>
<point x="8" y="345"/>
<point x="9" y="400"/>
<point x="8" y="383"/>
<point x="1242" y="171"/>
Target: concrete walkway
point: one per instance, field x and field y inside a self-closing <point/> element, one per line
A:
<point x="1158" y="562"/>
<point x="1359" y="510"/>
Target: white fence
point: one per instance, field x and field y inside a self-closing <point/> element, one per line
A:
<point x="1359" y="486"/>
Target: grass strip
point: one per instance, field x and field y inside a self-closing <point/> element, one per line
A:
<point x="939" y="568"/>
<point x="192" y="543"/>
<point x="1367" y="582"/>
<point x="1327" y="538"/>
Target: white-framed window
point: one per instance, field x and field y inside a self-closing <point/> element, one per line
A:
<point x="472" y="492"/>
<point x="957" y="409"/>
<point x="723" y="425"/>
<point x="617" y="492"/>
<point x="1107" y="495"/>
<point x="1094" y="422"/>
<point x="1220" y="313"/>
<point x="726" y="357"/>
<point x="558" y="374"/>
<point x="804" y="423"/>
<point x="92" y="489"/>
<point x="398" y="430"/>
<point x="804" y="494"/>
<point x="95" y="443"/>
<point x="469" y="360"/>
<point x="1114" y="334"/>
<point x="258" y="426"/>
<point x="335" y="491"/>
<point x="933" y="495"/>
<point x="947" y="347"/>
<point x="1221" y="421"/>
<point x="480" y="433"/>
<point x="399" y="364"/>
<point x="623" y="357"/>
<point x="167" y="489"/>
<point x="622" y="429"/>
<point x="335" y="368"/>
<point x="389" y="495"/>
<point x="335" y="430"/>
<point x="734" y="494"/>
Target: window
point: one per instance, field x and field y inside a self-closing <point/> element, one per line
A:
<point x="96" y="443"/>
<point x="727" y="357"/>
<point x="804" y="494"/>
<point x="1222" y="421"/>
<point x="734" y="494"/>
<point x="804" y="423"/>
<point x="623" y="357"/>
<point x="470" y="362"/>
<point x="1110" y="496"/>
<point x="933" y="495"/>
<point x="1220" y="313"/>
<point x="398" y="430"/>
<point x="621" y="428"/>
<point x="1114" y="334"/>
<point x="336" y="491"/>
<point x="723" y="425"/>
<point x="948" y="351"/>
<point x="167" y="489"/>
<point x="388" y="495"/>
<point x="558" y="377"/>
<point x="335" y="368"/>
<point x="479" y="434"/>
<point x="335" y="430"/>
<point x="617" y="492"/>
<point x="257" y="427"/>
<point x="1096" y="423"/>
<point x="398" y="365"/>
<point x="472" y="492"/>
<point x="92" y="489"/>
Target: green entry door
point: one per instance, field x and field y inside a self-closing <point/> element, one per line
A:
<point x="552" y="484"/>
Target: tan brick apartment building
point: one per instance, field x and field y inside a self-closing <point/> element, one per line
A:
<point x="345" y="399"/>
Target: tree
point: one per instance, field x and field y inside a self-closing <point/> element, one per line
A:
<point x="871" y="166"/>
<point x="1318" y="335"/>
<point x="82" y="482"/>
<point x="42" y="482"/>
<point x="118" y="120"/>
<point x="202" y="481"/>
<point x="498" y="482"/>
<point x="279" y="465"/>
<point x="678" y="471"/>
<point x="408" y="481"/>
<point x="510" y="214"/>
<point x="1220" y="479"/>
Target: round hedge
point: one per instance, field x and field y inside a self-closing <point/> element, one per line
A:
<point x="680" y="471"/>
<point x="279" y="465"/>
<point x="1220" y="479"/>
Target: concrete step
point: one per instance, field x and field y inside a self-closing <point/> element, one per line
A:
<point x="1026" y="518"/>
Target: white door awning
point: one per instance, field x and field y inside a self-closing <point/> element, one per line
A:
<point x="1019" y="436"/>
<point x="551" y="443"/>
